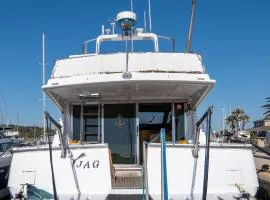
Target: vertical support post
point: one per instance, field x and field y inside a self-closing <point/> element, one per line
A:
<point x="127" y="55"/>
<point x="173" y="123"/>
<point x="187" y="119"/>
<point x="66" y="123"/>
<point x="99" y="128"/>
<point x="137" y="134"/>
<point x="81" y="124"/>
<point x="102" y="122"/>
<point x="71" y="122"/>
<point x="192" y="124"/>
<point x="145" y="170"/>
<point x="164" y="184"/>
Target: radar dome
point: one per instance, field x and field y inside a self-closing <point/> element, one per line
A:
<point x="126" y="20"/>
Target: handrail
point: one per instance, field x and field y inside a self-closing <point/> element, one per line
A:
<point x="50" y="153"/>
<point x="145" y="177"/>
<point x="206" y="116"/>
<point x="59" y="127"/>
<point x="170" y="39"/>
<point x="64" y="147"/>
<point x="206" y="158"/>
<point x="85" y="45"/>
<point x="164" y="182"/>
<point x="261" y="149"/>
<point x="119" y="37"/>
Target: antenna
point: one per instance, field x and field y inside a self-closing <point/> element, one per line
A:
<point x="144" y="17"/>
<point x="131" y="5"/>
<point x="102" y="30"/>
<point x="43" y="82"/>
<point x="17" y="125"/>
<point x="150" y="17"/>
<point x="113" y="26"/>
<point x="190" y="27"/>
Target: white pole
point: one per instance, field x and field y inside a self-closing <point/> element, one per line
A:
<point x="144" y="16"/>
<point x="150" y="20"/>
<point x="223" y="120"/>
<point x="131" y="5"/>
<point x="43" y="83"/>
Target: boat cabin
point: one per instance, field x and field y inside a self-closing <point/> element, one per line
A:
<point x="125" y="98"/>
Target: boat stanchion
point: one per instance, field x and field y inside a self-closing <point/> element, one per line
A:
<point x="164" y="182"/>
<point x="145" y="175"/>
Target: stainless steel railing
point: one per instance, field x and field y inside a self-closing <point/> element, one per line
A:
<point x="164" y="182"/>
<point x="49" y="121"/>
<point x="206" y="117"/>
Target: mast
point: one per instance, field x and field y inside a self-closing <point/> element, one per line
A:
<point x="17" y="125"/>
<point x="144" y="17"/>
<point x="150" y="16"/>
<point x="43" y="83"/>
<point x="190" y="27"/>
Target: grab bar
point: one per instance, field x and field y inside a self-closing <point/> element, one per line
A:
<point x="59" y="128"/>
<point x="164" y="182"/>
<point x="195" y="152"/>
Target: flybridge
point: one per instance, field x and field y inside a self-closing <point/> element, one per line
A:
<point x="126" y="20"/>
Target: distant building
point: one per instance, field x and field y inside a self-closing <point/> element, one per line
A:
<point x="262" y="129"/>
<point x="262" y="125"/>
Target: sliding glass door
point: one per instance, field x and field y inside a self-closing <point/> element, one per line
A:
<point x="119" y="132"/>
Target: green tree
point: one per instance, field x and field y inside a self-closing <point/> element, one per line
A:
<point x="237" y="117"/>
<point x="231" y="121"/>
<point x="244" y="120"/>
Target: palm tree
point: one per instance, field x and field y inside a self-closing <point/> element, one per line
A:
<point x="267" y="107"/>
<point x="244" y="119"/>
<point x="231" y="121"/>
<point x="237" y="116"/>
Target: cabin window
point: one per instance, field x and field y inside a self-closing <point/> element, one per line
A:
<point x="152" y="118"/>
<point x="179" y="121"/>
<point x="76" y="122"/>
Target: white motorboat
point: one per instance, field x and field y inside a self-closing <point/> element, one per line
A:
<point x="129" y="129"/>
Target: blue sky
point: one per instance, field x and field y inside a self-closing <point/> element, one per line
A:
<point x="233" y="37"/>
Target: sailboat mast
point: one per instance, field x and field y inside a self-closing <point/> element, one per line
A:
<point x="43" y="83"/>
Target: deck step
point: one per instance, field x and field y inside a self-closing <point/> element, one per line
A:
<point x="128" y="171"/>
<point x="128" y="182"/>
<point x="128" y="177"/>
<point x="126" y="197"/>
